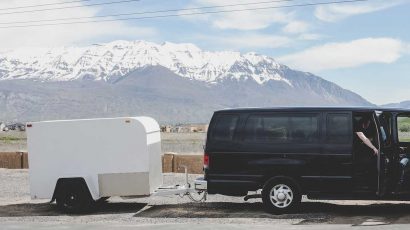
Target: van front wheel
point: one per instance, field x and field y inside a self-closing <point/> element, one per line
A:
<point x="280" y="195"/>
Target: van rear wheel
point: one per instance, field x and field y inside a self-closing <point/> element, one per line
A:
<point x="280" y="195"/>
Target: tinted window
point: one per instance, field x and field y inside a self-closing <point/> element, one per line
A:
<point x="338" y="128"/>
<point x="403" y="126"/>
<point x="224" y="128"/>
<point x="304" y="128"/>
<point x="281" y="128"/>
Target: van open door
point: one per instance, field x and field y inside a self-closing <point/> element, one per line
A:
<point x="383" y="121"/>
<point x="402" y="144"/>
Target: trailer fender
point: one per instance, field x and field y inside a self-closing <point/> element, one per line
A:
<point x="64" y="183"/>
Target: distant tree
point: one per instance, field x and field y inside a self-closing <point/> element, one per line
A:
<point x="404" y="128"/>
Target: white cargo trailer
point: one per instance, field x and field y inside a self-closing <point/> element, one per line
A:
<point x="78" y="161"/>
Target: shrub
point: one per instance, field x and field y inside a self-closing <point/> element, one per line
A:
<point x="404" y="128"/>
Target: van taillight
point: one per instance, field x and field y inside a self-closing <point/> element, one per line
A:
<point x="206" y="160"/>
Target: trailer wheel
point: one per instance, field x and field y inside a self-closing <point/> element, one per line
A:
<point x="74" y="197"/>
<point x="281" y="195"/>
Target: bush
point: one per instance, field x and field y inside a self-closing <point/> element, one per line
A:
<point x="405" y="128"/>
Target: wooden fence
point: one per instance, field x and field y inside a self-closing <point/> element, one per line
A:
<point x="14" y="160"/>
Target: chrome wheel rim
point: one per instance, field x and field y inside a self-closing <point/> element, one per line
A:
<point x="281" y="196"/>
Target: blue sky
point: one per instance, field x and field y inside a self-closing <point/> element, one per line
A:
<point x="362" y="46"/>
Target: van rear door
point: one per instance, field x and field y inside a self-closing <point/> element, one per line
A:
<point x="226" y="171"/>
<point x="221" y="142"/>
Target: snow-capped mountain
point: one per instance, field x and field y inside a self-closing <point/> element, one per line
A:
<point x="108" y="61"/>
<point x="170" y="82"/>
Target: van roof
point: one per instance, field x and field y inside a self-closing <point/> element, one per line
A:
<point x="308" y="108"/>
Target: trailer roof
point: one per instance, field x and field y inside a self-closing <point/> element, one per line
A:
<point x="308" y="108"/>
<point x="149" y="124"/>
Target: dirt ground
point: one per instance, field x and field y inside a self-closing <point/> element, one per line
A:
<point x="16" y="207"/>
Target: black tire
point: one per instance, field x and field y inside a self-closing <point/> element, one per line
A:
<point x="74" y="200"/>
<point x="281" y="195"/>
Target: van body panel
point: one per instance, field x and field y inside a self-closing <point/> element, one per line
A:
<point x="322" y="163"/>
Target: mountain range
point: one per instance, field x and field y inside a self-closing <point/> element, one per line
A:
<point x="403" y="104"/>
<point x="173" y="83"/>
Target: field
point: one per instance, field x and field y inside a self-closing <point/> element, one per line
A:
<point x="192" y="143"/>
<point x="183" y="142"/>
<point x="13" y="141"/>
<point x="404" y="137"/>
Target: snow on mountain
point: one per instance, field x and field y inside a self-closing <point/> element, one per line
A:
<point x="115" y="59"/>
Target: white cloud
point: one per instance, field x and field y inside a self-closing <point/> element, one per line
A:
<point x="46" y="36"/>
<point x="247" y="41"/>
<point x="296" y="27"/>
<point x="346" y="55"/>
<point x="248" y="20"/>
<point x="337" y="12"/>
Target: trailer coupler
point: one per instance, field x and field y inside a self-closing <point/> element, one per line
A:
<point x="252" y="196"/>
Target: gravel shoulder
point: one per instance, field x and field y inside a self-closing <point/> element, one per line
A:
<point x="17" y="207"/>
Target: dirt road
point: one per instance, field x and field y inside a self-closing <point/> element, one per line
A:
<point x="16" y="209"/>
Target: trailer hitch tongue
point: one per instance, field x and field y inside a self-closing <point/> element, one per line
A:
<point x="185" y="190"/>
<point x="252" y="196"/>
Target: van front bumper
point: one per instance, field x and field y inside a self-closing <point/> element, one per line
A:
<point x="200" y="184"/>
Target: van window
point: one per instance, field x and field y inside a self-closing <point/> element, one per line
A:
<point x="281" y="128"/>
<point x="224" y="128"/>
<point x="338" y="128"/>
<point x="403" y="126"/>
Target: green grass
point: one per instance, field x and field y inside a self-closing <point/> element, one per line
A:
<point x="10" y="139"/>
<point x="7" y="138"/>
<point x="404" y="139"/>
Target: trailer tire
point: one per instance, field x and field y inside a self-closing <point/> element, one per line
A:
<point x="72" y="196"/>
<point x="281" y="195"/>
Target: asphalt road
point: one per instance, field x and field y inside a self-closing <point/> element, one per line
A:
<point x="17" y="211"/>
<point x="195" y="227"/>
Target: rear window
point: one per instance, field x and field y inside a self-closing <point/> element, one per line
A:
<point x="282" y="128"/>
<point x="224" y="128"/>
<point x="338" y="128"/>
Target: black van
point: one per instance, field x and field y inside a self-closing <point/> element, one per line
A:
<point x="290" y="152"/>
